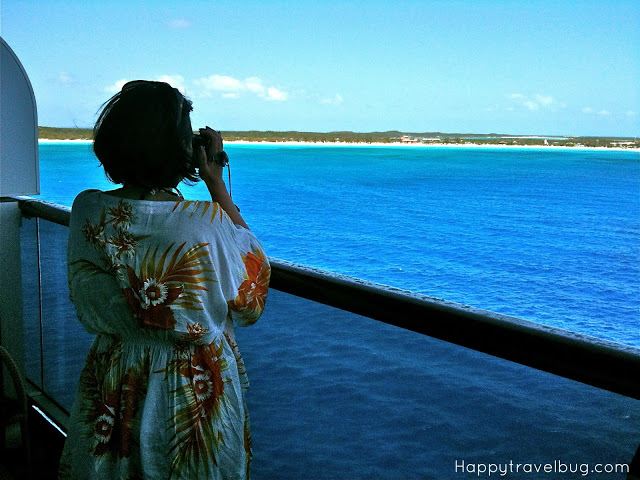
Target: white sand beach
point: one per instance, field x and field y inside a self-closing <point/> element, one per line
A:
<point x="427" y="145"/>
<point x="77" y="140"/>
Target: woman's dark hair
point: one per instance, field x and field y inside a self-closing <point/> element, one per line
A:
<point x="143" y="136"/>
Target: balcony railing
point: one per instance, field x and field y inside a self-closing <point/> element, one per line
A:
<point x="597" y="362"/>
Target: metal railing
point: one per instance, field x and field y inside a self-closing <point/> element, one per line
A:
<point x="590" y="360"/>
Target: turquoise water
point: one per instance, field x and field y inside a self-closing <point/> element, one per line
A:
<point x="548" y="235"/>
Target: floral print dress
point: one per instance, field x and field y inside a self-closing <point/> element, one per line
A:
<point x="161" y="395"/>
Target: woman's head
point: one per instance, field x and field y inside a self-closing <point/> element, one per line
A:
<point x="143" y="136"/>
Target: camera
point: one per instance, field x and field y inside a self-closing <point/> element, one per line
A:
<point x="221" y="158"/>
<point x="199" y="141"/>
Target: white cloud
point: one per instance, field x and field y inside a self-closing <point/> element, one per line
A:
<point x="219" y="82"/>
<point x="254" y="84"/>
<point x="542" y="100"/>
<point x="538" y="101"/>
<point x="275" y="94"/>
<point x="176" y="81"/>
<point x="64" y="78"/>
<point x="606" y="113"/>
<point x="116" y="87"/>
<point x="233" y="87"/>
<point x="178" y="23"/>
<point x="226" y="86"/>
<point x="335" y="100"/>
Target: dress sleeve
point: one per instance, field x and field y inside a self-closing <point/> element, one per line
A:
<point x="249" y="272"/>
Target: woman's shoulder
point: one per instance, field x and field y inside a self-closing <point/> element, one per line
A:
<point x="84" y="196"/>
<point x="90" y="191"/>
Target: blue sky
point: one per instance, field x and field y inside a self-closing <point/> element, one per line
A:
<point x="520" y="67"/>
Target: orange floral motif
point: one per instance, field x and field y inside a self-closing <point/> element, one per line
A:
<point x="115" y="400"/>
<point x="150" y="301"/>
<point x="248" y="443"/>
<point x="242" y="369"/>
<point x="113" y="425"/>
<point x="124" y="243"/>
<point x="160" y="284"/>
<point x="252" y="292"/>
<point x="196" y="435"/>
<point x="94" y="233"/>
<point x="104" y="429"/>
<point x="207" y="378"/>
<point x="112" y="246"/>
<point x="122" y="214"/>
<point x="195" y="332"/>
<point x="185" y="204"/>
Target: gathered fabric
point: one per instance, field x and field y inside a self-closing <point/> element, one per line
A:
<point x="161" y="285"/>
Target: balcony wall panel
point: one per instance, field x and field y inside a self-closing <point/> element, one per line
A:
<point x="64" y="342"/>
<point x="31" y="299"/>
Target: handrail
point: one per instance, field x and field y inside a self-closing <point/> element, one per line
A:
<point x="590" y="360"/>
<point x="53" y="212"/>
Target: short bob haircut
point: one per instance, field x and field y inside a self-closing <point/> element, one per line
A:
<point x="143" y="136"/>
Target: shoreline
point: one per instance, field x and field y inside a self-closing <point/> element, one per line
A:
<point x="394" y="144"/>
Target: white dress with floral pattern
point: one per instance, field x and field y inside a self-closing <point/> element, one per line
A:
<point x="161" y="395"/>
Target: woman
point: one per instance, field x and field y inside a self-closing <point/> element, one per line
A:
<point x="160" y="281"/>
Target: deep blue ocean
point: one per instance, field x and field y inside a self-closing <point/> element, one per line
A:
<point x="548" y="235"/>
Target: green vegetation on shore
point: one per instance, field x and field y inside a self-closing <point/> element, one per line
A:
<point x="53" y="133"/>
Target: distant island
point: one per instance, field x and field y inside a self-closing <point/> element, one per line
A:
<point x="390" y="137"/>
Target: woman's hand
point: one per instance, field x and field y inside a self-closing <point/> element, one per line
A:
<point x="211" y="173"/>
<point x="209" y="170"/>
